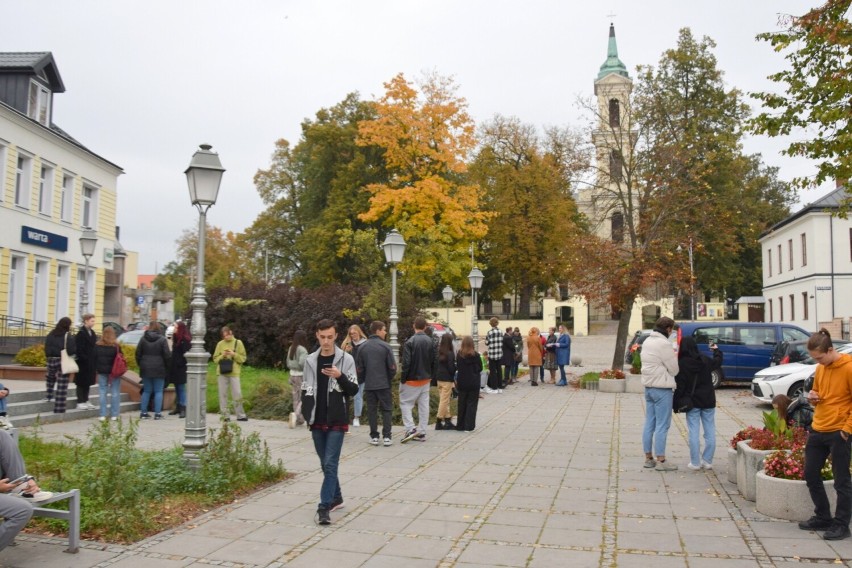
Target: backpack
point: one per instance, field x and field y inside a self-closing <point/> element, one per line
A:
<point x="800" y="412"/>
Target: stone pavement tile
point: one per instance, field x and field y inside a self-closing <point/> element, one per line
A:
<point x="592" y="539"/>
<point x="654" y="509"/>
<point x="523" y="502"/>
<point x="366" y="487"/>
<point x="442" y="484"/>
<point x="136" y="561"/>
<point x="325" y="557"/>
<point x="508" y="533"/>
<point x="712" y="527"/>
<point x="636" y="496"/>
<point x="519" y="518"/>
<point x="725" y="563"/>
<point x="249" y="552"/>
<point x="399" y="510"/>
<point x="723" y="545"/>
<point x="684" y="506"/>
<point x="627" y="560"/>
<point x="783" y="529"/>
<point x="256" y="512"/>
<point x="574" y="522"/>
<point x="419" y="494"/>
<point x="488" y="554"/>
<point x="475" y="487"/>
<point x="484" y="467"/>
<point x="640" y="525"/>
<point x="652" y="542"/>
<point x="456" y="498"/>
<point x="224" y="528"/>
<point x="586" y="480"/>
<point x="277" y="533"/>
<point x="385" y="561"/>
<point x="843" y="548"/>
<point x="378" y="523"/>
<point x="413" y="547"/>
<point x="450" y="513"/>
<point x="49" y="556"/>
<point x="577" y="504"/>
<point x="550" y="557"/>
<point x="303" y="515"/>
<point x="185" y="544"/>
<point x="288" y="501"/>
<point x="809" y="546"/>
<point x="342" y="539"/>
<point x="587" y="494"/>
<point x="428" y="527"/>
<point x="522" y="490"/>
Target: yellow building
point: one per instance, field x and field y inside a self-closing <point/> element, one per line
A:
<point x="51" y="189"/>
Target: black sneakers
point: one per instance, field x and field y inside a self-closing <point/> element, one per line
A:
<point x="336" y="504"/>
<point x="816" y="524"/>
<point x="836" y="532"/>
<point x="323" y="518"/>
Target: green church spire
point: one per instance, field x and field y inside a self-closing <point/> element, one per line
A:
<point x="612" y="64"/>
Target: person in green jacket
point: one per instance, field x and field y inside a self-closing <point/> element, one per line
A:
<point x="230" y="349"/>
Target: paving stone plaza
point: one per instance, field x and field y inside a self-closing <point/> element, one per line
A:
<point x="551" y="477"/>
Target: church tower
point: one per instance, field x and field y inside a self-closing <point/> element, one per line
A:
<point x="601" y="203"/>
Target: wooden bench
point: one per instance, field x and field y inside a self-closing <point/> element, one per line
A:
<point x="72" y="515"/>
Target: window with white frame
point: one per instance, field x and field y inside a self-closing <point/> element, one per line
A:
<point x="805" y="305"/>
<point x="40" y="278"/>
<point x="780" y="265"/>
<point x="67" y="201"/>
<point x="89" y="287"/>
<point x="39" y="103"/>
<point x="4" y="154"/>
<point x="62" y="286"/>
<point x="790" y="254"/>
<point x="23" y="181"/>
<point x="45" y="191"/>
<point x="89" y="208"/>
<point x="804" y="251"/>
<point x="769" y="262"/>
<point x="17" y="285"/>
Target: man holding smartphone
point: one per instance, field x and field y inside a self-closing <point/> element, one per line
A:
<point x="329" y="381"/>
<point x="16" y="510"/>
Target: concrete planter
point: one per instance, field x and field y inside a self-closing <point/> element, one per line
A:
<point x="634" y="384"/>
<point x="788" y="499"/>
<point x="612" y="385"/>
<point x="21" y="372"/>
<point x="749" y="463"/>
<point x="732" y="465"/>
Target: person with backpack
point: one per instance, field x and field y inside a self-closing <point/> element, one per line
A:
<point x="695" y="385"/>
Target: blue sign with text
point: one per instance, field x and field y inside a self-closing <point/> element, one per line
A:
<point x="43" y="239"/>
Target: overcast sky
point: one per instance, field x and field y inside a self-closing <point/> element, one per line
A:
<point x="146" y="82"/>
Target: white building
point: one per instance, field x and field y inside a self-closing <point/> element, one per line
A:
<point x="807" y="266"/>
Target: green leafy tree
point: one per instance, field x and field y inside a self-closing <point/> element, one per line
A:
<point x="817" y="92"/>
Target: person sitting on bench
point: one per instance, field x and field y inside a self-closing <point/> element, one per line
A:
<point x="18" y="491"/>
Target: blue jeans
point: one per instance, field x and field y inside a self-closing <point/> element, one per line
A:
<point x="155" y="387"/>
<point x="328" y="446"/>
<point x="180" y="393"/>
<point x="658" y="418"/>
<point x="359" y="402"/>
<point x="706" y="418"/>
<point x="562" y="378"/>
<point x="114" y="390"/>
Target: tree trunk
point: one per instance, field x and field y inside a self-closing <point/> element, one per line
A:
<point x="621" y="336"/>
<point x="524" y="305"/>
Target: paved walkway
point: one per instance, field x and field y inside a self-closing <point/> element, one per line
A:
<point x="551" y="477"/>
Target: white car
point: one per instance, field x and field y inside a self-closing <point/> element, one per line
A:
<point x="786" y="379"/>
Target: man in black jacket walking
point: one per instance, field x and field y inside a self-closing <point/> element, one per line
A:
<point x="418" y="367"/>
<point x="376" y="369"/>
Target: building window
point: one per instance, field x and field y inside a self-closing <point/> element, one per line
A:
<point x="771" y="316"/>
<point x="40" y="277"/>
<point x="89" y="206"/>
<point x="792" y="307"/>
<point x="616" y="166"/>
<point x="614" y="114"/>
<point x="617" y="227"/>
<point x="780" y="263"/>
<point x="804" y="250"/>
<point x="17" y="286"/>
<point x="89" y="286"/>
<point x="3" y="155"/>
<point x="769" y="261"/>
<point x="805" y="306"/>
<point x="39" y="107"/>
<point x="62" y="287"/>
<point x="790" y="252"/>
<point x="45" y="191"/>
<point x="23" y="181"/>
<point x="780" y="308"/>
<point x="67" y="204"/>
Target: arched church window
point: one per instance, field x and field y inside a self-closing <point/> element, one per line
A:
<point x="614" y="113"/>
<point x="616" y="166"/>
<point x="617" y="222"/>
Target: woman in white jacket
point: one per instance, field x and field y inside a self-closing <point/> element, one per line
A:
<point x="659" y="367"/>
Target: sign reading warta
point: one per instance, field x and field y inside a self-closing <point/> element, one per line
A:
<point x="41" y="238"/>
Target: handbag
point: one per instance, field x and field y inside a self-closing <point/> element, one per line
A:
<point x="226" y="366"/>
<point x="683" y="402"/>
<point x="67" y="362"/>
<point x="119" y="364"/>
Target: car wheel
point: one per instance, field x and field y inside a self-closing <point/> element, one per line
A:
<point x="716" y="375"/>
<point x="796" y="390"/>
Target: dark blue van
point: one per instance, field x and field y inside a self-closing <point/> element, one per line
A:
<point x="747" y="347"/>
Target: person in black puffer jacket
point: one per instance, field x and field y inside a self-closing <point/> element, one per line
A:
<point x="693" y="366"/>
<point x="152" y="356"/>
<point x="469" y="366"/>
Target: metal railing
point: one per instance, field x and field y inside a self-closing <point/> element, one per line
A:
<point x="20" y="331"/>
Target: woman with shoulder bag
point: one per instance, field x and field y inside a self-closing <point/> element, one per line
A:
<point x="695" y="384"/>
<point x="57" y="383"/>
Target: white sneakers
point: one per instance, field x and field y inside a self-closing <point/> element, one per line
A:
<point x="489" y="390"/>
<point x="86" y="406"/>
<point x="356" y="423"/>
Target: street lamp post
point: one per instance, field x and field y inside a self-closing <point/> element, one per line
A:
<point x="475" y="278"/>
<point x="691" y="281"/>
<point x="394" y="247"/>
<point x="447" y="292"/>
<point x="88" y="242"/>
<point x="203" y="176"/>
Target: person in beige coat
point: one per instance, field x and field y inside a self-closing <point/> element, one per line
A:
<point x="659" y="367"/>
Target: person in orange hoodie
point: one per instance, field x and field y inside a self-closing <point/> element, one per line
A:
<point x="830" y="434"/>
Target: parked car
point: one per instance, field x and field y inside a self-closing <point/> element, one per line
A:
<point x="131" y="337"/>
<point x="115" y="326"/>
<point x="137" y="325"/>
<point x="795" y="351"/>
<point x="786" y="379"/>
<point x="636" y="344"/>
<point x="746" y="346"/>
<point x="439" y="329"/>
